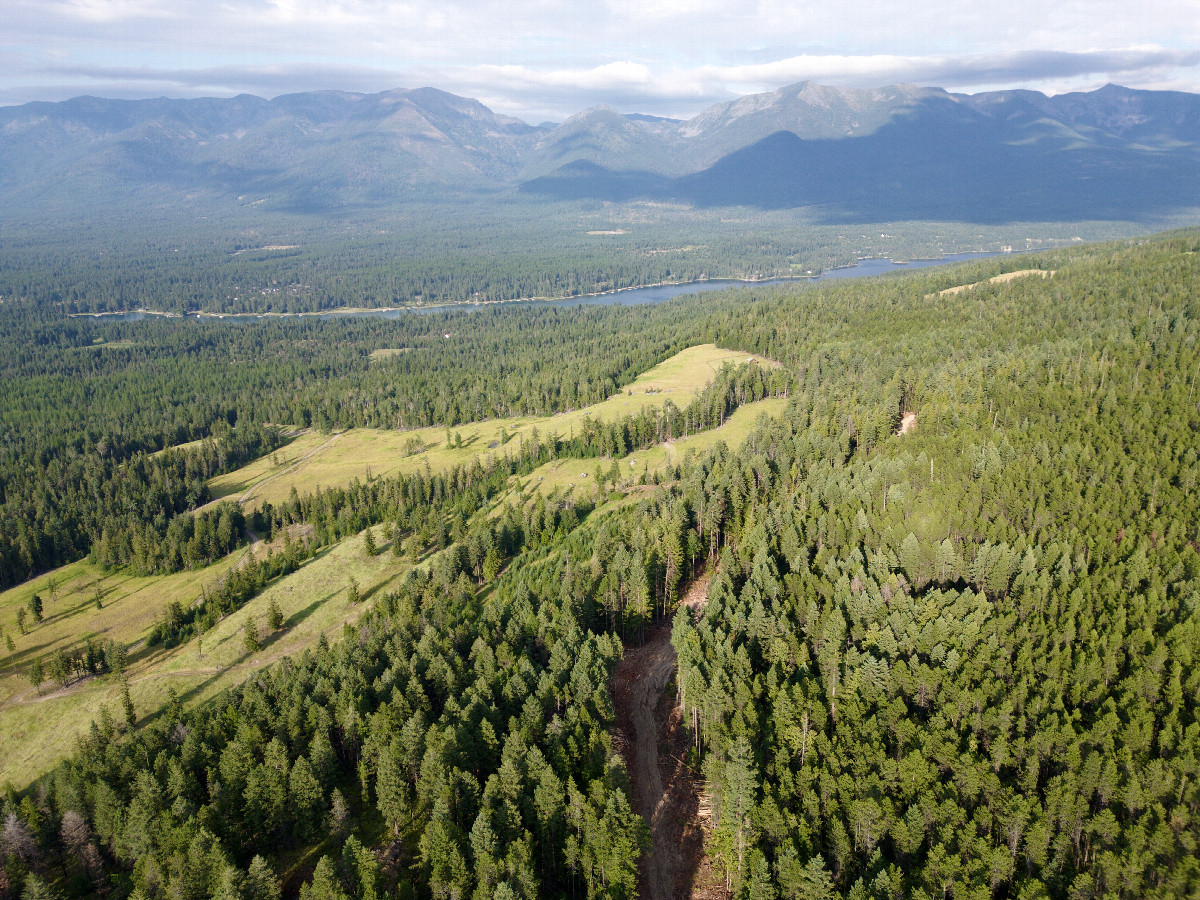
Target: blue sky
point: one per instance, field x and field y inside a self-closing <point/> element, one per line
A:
<point x="546" y="59"/>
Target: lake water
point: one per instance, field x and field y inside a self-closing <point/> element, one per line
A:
<point x="633" y="296"/>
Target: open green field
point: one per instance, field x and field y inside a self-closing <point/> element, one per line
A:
<point x="241" y="483"/>
<point x="190" y="445"/>
<point x="734" y="433"/>
<point x="130" y="605"/>
<point x="39" y="727"/>
<point x="315" y="460"/>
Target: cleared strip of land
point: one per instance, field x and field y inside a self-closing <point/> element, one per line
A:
<point x="388" y="352"/>
<point x="313" y="460"/>
<point x="999" y="279"/>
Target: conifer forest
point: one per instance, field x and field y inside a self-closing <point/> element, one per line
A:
<point x="930" y="623"/>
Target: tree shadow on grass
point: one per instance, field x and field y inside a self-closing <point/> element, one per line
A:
<point x="23" y="655"/>
<point x="301" y="614"/>
<point x="149" y="654"/>
<point x="291" y="622"/>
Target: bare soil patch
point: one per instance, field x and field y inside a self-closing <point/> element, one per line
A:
<point x="696" y="597"/>
<point x="653" y="741"/>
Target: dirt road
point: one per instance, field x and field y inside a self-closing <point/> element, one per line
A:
<point x="292" y="468"/>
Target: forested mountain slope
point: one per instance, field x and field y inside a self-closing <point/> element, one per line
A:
<point x="905" y="153"/>
<point x="1026" y="156"/>
<point x="958" y="661"/>
<point x="963" y="661"/>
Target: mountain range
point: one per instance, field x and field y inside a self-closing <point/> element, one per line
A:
<point x="887" y="154"/>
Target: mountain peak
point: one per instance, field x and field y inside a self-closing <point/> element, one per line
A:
<point x="599" y="111"/>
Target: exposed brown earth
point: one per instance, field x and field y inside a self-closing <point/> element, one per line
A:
<point x="652" y="739"/>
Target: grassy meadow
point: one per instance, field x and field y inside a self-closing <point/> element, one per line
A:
<point x="40" y="726"/>
<point x="315" y="460"/>
<point x="577" y="477"/>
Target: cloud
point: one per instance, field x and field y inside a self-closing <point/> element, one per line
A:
<point x="268" y="80"/>
<point x="953" y="72"/>
<point x="683" y="92"/>
<point x="538" y="94"/>
<point x="546" y="59"/>
<point x="686" y="33"/>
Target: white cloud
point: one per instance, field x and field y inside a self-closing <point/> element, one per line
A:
<point x="949" y="71"/>
<point x="613" y="75"/>
<point x="550" y="58"/>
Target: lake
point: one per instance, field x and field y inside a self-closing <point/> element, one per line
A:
<point x="658" y="293"/>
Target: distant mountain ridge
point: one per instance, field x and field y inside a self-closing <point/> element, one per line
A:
<point x="896" y="152"/>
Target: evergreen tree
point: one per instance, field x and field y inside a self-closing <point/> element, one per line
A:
<point x="37" y="889"/>
<point x="274" y="615"/>
<point x="36" y="675"/>
<point x="127" y="703"/>
<point x="261" y="882"/>
<point x="325" y="884"/>
<point x="250" y="639"/>
<point x="306" y="799"/>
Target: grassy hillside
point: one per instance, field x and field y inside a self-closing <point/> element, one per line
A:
<point x="315" y="460"/>
<point x="576" y="477"/>
<point x="38" y="726"/>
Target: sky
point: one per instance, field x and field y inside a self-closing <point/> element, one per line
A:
<point x="544" y="60"/>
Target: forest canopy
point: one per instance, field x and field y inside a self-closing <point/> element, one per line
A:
<point x="958" y="661"/>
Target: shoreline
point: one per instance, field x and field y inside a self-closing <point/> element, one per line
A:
<point x="452" y="304"/>
<point x="446" y="304"/>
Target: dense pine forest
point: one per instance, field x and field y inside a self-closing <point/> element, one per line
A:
<point x="949" y="642"/>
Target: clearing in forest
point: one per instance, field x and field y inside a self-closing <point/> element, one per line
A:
<point x="577" y="477"/>
<point x="387" y="353"/>
<point x="39" y="727"/>
<point x="999" y="279"/>
<point x="734" y="432"/>
<point x="315" y="460"/>
<point x="653" y="741"/>
<point x="239" y="483"/>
